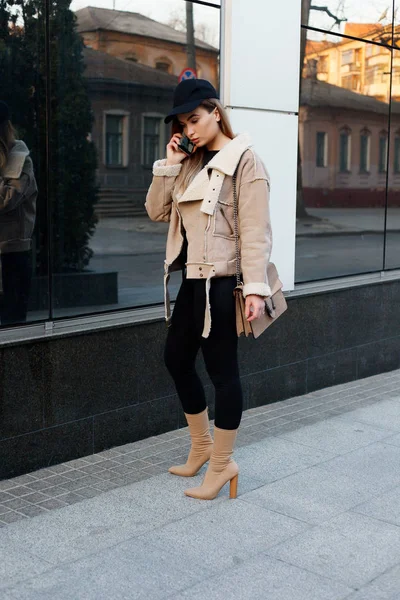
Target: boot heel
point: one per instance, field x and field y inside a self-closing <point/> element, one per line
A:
<point x="233" y="485"/>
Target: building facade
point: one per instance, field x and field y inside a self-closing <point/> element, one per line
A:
<point x="84" y="371"/>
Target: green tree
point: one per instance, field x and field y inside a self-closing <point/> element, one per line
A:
<point x="64" y="105"/>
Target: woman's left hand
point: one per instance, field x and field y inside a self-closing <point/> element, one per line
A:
<point x="255" y="307"/>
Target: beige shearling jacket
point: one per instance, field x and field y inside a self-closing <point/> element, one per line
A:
<point x="205" y="211"/>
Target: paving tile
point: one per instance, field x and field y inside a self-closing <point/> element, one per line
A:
<point x="133" y="570"/>
<point x="376" y="465"/>
<point x="36" y="497"/>
<point x="21" y="490"/>
<point x="91" y="525"/>
<point x="385" y="414"/>
<point x="24" y="479"/>
<point x="215" y="539"/>
<point x="384" y="587"/>
<point x="313" y="495"/>
<point x="16" y="565"/>
<point x="52" y="503"/>
<point x="264" y="578"/>
<point x="15" y="503"/>
<point x="336" y="435"/>
<point x="350" y="548"/>
<point x="32" y="510"/>
<point x="4" y="496"/>
<point x="6" y="484"/>
<point x="40" y="485"/>
<point x="11" y="517"/>
<point x="70" y="498"/>
<point x="385" y="507"/>
<point x="277" y="458"/>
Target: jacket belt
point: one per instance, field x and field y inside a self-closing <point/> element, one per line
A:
<point x="194" y="271"/>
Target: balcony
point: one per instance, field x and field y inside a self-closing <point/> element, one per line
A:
<point x="353" y="67"/>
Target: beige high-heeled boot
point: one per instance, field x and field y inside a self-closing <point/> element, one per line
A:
<point x="222" y="468"/>
<point x="200" y="451"/>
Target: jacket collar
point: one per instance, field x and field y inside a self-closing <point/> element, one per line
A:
<point x="227" y="159"/>
<point x="225" y="162"/>
<point x="16" y="160"/>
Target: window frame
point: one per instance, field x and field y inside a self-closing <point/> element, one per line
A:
<point x="325" y="151"/>
<point x="125" y="115"/>
<point x="345" y="132"/>
<point x="365" y="133"/>
<point x="382" y="164"/>
<point x="162" y="137"/>
<point x="396" y="153"/>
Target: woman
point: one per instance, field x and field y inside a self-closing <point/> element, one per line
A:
<point x="18" y="192"/>
<point x="195" y="194"/>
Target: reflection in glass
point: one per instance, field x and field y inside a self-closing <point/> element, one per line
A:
<point x="125" y="66"/>
<point x="370" y="20"/>
<point x="341" y="190"/>
<point x="23" y="261"/>
<point x="392" y="254"/>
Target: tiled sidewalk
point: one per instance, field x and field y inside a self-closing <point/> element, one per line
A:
<point x="316" y="517"/>
<point x="61" y="485"/>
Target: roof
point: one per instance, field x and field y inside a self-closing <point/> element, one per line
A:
<point x="91" y="19"/>
<point x="321" y="94"/>
<point x="100" y="65"/>
<point x="360" y="30"/>
<point x="315" y="46"/>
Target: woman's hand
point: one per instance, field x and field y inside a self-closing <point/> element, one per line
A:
<point x="174" y="155"/>
<point x="255" y="307"/>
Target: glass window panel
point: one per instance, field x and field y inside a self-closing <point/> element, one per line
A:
<point x="321" y="149"/>
<point x="392" y="254"/>
<point x="364" y="152"/>
<point x="24" y="281"/>
<point x="370" y="20"/>
<point x="382" y="153"/>
<point x="344" y="152"/>
<point x="108" y="251"/>
<point x="341" y="209"/>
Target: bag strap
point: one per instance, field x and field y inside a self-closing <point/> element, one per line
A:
<point x="236" y="228"/>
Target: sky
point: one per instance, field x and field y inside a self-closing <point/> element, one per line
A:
<point x="356" y="11"/>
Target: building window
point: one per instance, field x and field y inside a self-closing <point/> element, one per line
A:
<point x="347" y="57"/>
<point x="396" y="166"/>
<point x="322" y="149"/>
<point x="344" y="151"/>
<point x="163" y="66"/>
<point x="365" y="148"/>
<point x="152" y="139"/>
<point x="116" y="125"/>
<point x="383" y="143"/>
<point x="114" y="140"/>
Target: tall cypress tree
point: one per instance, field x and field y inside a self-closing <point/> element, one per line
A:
<point x="72" y="156"/>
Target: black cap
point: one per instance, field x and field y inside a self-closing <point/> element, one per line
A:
<point x="188" y="95"/>
<point x="4" y="112"/>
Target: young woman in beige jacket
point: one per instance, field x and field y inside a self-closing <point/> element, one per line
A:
<point x="195" y="195"/>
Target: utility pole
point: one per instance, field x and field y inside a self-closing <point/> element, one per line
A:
<point x="191" y="48"/>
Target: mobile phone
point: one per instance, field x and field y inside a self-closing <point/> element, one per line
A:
<point x="185" y="145"/>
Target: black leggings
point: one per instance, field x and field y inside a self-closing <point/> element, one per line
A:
<point x="184" y="340"/>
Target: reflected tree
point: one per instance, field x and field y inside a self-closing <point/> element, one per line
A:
<point x="64" y="105"/>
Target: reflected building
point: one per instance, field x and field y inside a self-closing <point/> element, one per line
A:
<point x="129" y="102"/>
<point x="132" y="66"/>
<point x="142" y="40"/>
<point x="343" y="146"/>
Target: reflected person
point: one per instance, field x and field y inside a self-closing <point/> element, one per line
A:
<point x="18" y="193"/>
<point x="194" y="193"/>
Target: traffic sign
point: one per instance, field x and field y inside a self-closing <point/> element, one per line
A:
<point x="187" y="73"/>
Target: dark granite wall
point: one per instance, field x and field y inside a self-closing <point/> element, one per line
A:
<point x="68" y="397"/>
